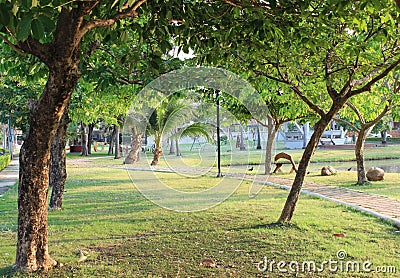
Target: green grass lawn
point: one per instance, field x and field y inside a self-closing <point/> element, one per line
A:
<point x="238" y="162"/>
<point x="234" y="156"/>
<point x="126" y="235"/>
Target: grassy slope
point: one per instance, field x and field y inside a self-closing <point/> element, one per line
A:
<point x="128" y="236"/>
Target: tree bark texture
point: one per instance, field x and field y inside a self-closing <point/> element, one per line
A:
<point x="111" y="143"/>
<point x="384" y="137"/>
<point x="242" y="143"/>
<point x="172" y="146"/>
<point x="291" y="201"/>
<point x="136" y="146"/>
<point x="58" y="170"/>
<point x="157" y="154"/>
<point x="62" y="58"/>
<point x="90" y="138"/>
<point x="359" y="152"/>
<point x="84" y="140"/>
<point x="363" y="132"/>
<point x="272" y="130"/>
<point x="117" y="152"/>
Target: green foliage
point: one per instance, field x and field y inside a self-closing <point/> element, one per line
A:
<point x="385" y="124"/>
<point x="14" y="98"/>
<point x="226" y="101"/>
<point x="25" y="18"/>
<point x="301" y="43"/>
<point x="4" y="160"/>
<point x="196" y="129"/>
<point x="370" y="105"/>
<point x="173" y="118"/>
<point x="73" y="131"/>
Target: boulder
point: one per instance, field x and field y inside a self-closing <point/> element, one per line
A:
<point x="375" y="174"/>
<point x="328" y="171"/>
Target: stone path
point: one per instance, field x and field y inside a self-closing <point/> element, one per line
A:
<point x="376" y="205"/>
<point x="9" y="175"/>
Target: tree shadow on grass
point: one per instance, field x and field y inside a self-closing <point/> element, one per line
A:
<point x="6" y="271"/>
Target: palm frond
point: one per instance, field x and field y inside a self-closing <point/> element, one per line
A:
<point x="175" y="114"/>
<point x="196" y="129"/>
<point x="167" y="118"/>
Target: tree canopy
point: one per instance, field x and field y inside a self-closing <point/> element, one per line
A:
<point x="322" y="52"/>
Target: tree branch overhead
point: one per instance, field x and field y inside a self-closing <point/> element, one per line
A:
<point x="129" y="12"/>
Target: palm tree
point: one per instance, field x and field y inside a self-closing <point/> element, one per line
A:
<point x="168" y="121"/>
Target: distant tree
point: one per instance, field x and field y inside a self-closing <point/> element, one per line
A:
<point x="382" y="127"/>
<point x="366" y="120"/>
<point x="170" y="120"/>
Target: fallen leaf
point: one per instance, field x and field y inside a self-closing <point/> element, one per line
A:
<point x="82" y="257"/>
<point x="207" y="263"/>
<point x="339" y="235"/>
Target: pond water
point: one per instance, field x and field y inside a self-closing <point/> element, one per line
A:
<point x="388" y="165"/>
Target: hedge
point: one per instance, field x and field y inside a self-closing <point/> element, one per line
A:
<point x="4" y="161"/>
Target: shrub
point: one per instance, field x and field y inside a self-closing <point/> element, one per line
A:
<point x="4" y="161"/>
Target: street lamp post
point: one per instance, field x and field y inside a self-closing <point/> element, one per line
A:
<point x="10" y="138"/>
<point x="218" y="138"/>
<point x="258" y="138"/>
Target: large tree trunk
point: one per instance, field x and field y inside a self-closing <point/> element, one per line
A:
<point x="157" y="154"/>
<point x="111" y="143"/>
<point x="84" y="137"/>
<point x="32" y="246"/>
<point x="136" y="146"/>
<point x="291" y="201"/>
<point x="117" y="152"/>
<point x="62" y="57"/>
<point x="359" y="152"/>
<point x="90" y="138"/>
<point x="272" y="130"/>
<point x="58" y="170"/>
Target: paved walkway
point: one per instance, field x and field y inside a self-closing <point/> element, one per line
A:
<point x="9" y="175"/>
<point x="376" y="205"/>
